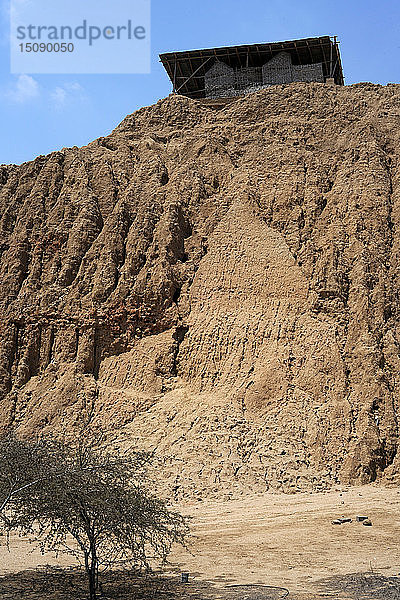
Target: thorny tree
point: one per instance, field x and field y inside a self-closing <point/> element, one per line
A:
<point x="24" y="466"/>
<point x="96" y="508"/>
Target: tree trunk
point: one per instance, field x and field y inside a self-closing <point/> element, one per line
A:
<point x="93" y="577"/>
<point x="90" y="568"/>
<point x="92" y="585"/>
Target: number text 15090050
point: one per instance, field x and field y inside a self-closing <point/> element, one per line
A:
<point x="49" y="47"/>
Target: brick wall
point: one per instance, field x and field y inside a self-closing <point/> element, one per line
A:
<point x="223" y="81"/>
<point x="278" y="70"/>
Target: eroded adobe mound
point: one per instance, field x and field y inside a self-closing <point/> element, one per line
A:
<point x="220" y="286"/>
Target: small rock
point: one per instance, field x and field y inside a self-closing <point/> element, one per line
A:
<point x="367" y="522"/>
<point x="341" y="520"/>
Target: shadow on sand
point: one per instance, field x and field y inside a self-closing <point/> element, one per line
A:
<point x="360" y="586"/>
<point x="51" y="583"/>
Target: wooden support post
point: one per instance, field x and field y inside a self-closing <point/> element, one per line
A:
<point x="174" y="82"/>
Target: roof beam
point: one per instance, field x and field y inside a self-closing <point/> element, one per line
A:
<point x="193" y="74"/>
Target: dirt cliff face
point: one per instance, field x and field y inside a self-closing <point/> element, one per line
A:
<point x="219" y="286"/>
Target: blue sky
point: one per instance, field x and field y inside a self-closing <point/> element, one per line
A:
<point x="42" y="113"/>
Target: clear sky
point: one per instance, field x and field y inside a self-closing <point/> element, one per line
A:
<point x="42" y="113"/>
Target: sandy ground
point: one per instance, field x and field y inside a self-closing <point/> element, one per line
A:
<point x="290" y="540"/>
<point x="275" y="540"/>
<point x="22" y="556"/>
